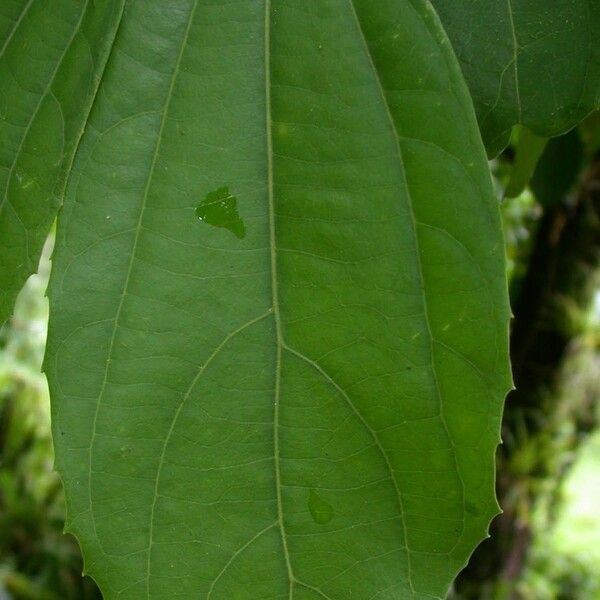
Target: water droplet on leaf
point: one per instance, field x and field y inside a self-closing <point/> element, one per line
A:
<point x="472" y="508"/>
<point x="321" y="511"/>
<point x="219" y="208"/>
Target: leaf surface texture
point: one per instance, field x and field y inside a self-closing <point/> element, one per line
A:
<point x="532" y="62"/>
<point x="305" y="406"/>
<point x="51" y="60"/>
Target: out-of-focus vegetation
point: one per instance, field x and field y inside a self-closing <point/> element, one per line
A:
<point x="560" y="467"/>
<point x="546" y="545"/>
<point x="37" y="562"/>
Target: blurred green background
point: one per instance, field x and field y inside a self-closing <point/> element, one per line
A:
<point x="37" y="562"/>
<point x="546" y="544"/>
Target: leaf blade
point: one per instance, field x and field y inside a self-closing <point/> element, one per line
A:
<point x="526" y="64"/>
<point x="238" y="376"/>
<point x="50" y="66"/>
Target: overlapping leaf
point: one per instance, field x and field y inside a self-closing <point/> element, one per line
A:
<point x="298" y="396"/>
<point x="51" y="58"/>
<point x="532" y="62"/>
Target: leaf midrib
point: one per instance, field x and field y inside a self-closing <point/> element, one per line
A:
<point x="276" y="311"/>
<point x="281" y="344"/>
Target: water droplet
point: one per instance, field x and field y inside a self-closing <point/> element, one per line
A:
<point x="219" y="208"/>
<point x="472" y="508"/>
<point x="322" y="512"/>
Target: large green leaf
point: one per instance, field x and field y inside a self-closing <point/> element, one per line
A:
<point x="51" y="58"/>
<point x="278" y="344"/>
<point x="534" y="62"/>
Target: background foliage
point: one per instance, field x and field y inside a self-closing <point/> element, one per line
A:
<point x="37" y="562"/>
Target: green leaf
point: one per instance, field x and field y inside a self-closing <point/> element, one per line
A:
<point x="529" y="62"/>
<point x="310" y="410"/>
<point x="558" y="169"/>
<point x="51" y="60"/>
<point x="529" y="148"/>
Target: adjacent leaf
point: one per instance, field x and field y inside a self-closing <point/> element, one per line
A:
<point x="529" y="148"/>
<point x="51" y="59"/>
<point x="558" y="169"/>
<point x="532" y="62"/>
<point x="309" y="410"/>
